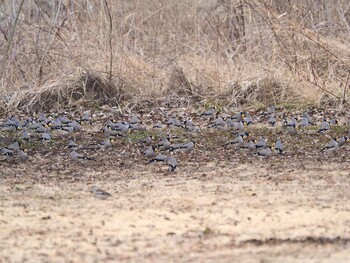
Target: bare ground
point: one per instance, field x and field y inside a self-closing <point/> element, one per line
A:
<point x="232" y="210"/>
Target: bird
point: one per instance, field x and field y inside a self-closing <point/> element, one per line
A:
<point x="218" y="123"/>
<point x="230" y="123"/>
<point x="189" y="125"/>
<point x="14" y="146"/>
<point x="146" y="141"/>
<point x="75" y="125"/>
<point x="159" y="158"/>
<point x="164" y="145"/>
<point x="72" y="145"/>
<point x="272" y="120"/>
<point x="332" y="145"/>
<point x="243" y="134"/>
<point x="38" y="128"/>
<point x="46" y="136"/>
<point x="238" y="141"/>
<point x="120" y="126"/>
<point x="134" y="120"/>
<point x="105" y="144"/>
<point x="150" y="153"/>
<point x="86" y="117"/>
<point x="341" y="141"/>
<point x="290" y="123"/>
<point x="210" y="113"/>
<point x="158" y="125"/>
<point x="77" y="156"/>
<point x="304" y="122"/>
<point x="175" y="146"/>
<point x="68" y="129"/>
<point x="137" y="127"/>
<point x="9" y="128"/>
<point x="333" y="121"/>
<point x="172" y="163"/>
<point x="185" y="147"/>
<point x="64" y="119"/>
<point x="42" y="118"/>
<point x="188" y="147"/>
<point x="169" y="160"/>
<point x="279" y="146"/>
<point x="238" y="126"/>
<point x="11" y="125"/>
<point x="324" y="127"/>
<point x="174" y="122"/>
<point x="107" y="131"/>
<point x="238" y="117"/>
<point x="99" y="193"/>
<point x="248" y="120"/>
<point x="56" y="124"/>
<point x="25" y="136"/>
<point x="23" y="156"/>
<point x="308" y="117"/>
<point x="7" y="152"/>
<point x="249" y="145"/>
<point x="261" y="144"/>
<point x="264" y="153"/>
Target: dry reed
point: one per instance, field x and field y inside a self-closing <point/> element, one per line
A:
<point x="174" y="53"/>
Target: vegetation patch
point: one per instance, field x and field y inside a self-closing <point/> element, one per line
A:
<point x="141" y="55"/>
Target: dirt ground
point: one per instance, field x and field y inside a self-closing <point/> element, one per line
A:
<point x="233" y="210"/>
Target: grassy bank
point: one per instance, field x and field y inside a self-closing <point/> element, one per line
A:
<point x="173" y="53"/>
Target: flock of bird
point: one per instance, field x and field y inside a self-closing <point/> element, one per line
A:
<point x="18" y="133"/>
<point x="42" y="128"/>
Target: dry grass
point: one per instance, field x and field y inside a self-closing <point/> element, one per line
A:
<point x="137" y="53"/>
<point x="206" y="212"/>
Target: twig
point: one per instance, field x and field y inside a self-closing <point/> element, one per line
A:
<point x="9" y="42"/>
<point x="346" y="87"/>
<point x="110" y="40"/>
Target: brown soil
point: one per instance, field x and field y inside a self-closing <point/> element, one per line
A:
<point x="216" y="210"/>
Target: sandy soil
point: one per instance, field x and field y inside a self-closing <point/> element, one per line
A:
<point x="278" y="210"/>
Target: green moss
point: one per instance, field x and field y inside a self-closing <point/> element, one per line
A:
<point x="136" y="135"/>
<point x="207" y="231"/>
<point x="209" y="105"/>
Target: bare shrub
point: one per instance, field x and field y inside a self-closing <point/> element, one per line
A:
<point x="226" y="52"/>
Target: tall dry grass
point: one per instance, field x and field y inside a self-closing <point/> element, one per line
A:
<point x="174" y="53"/>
